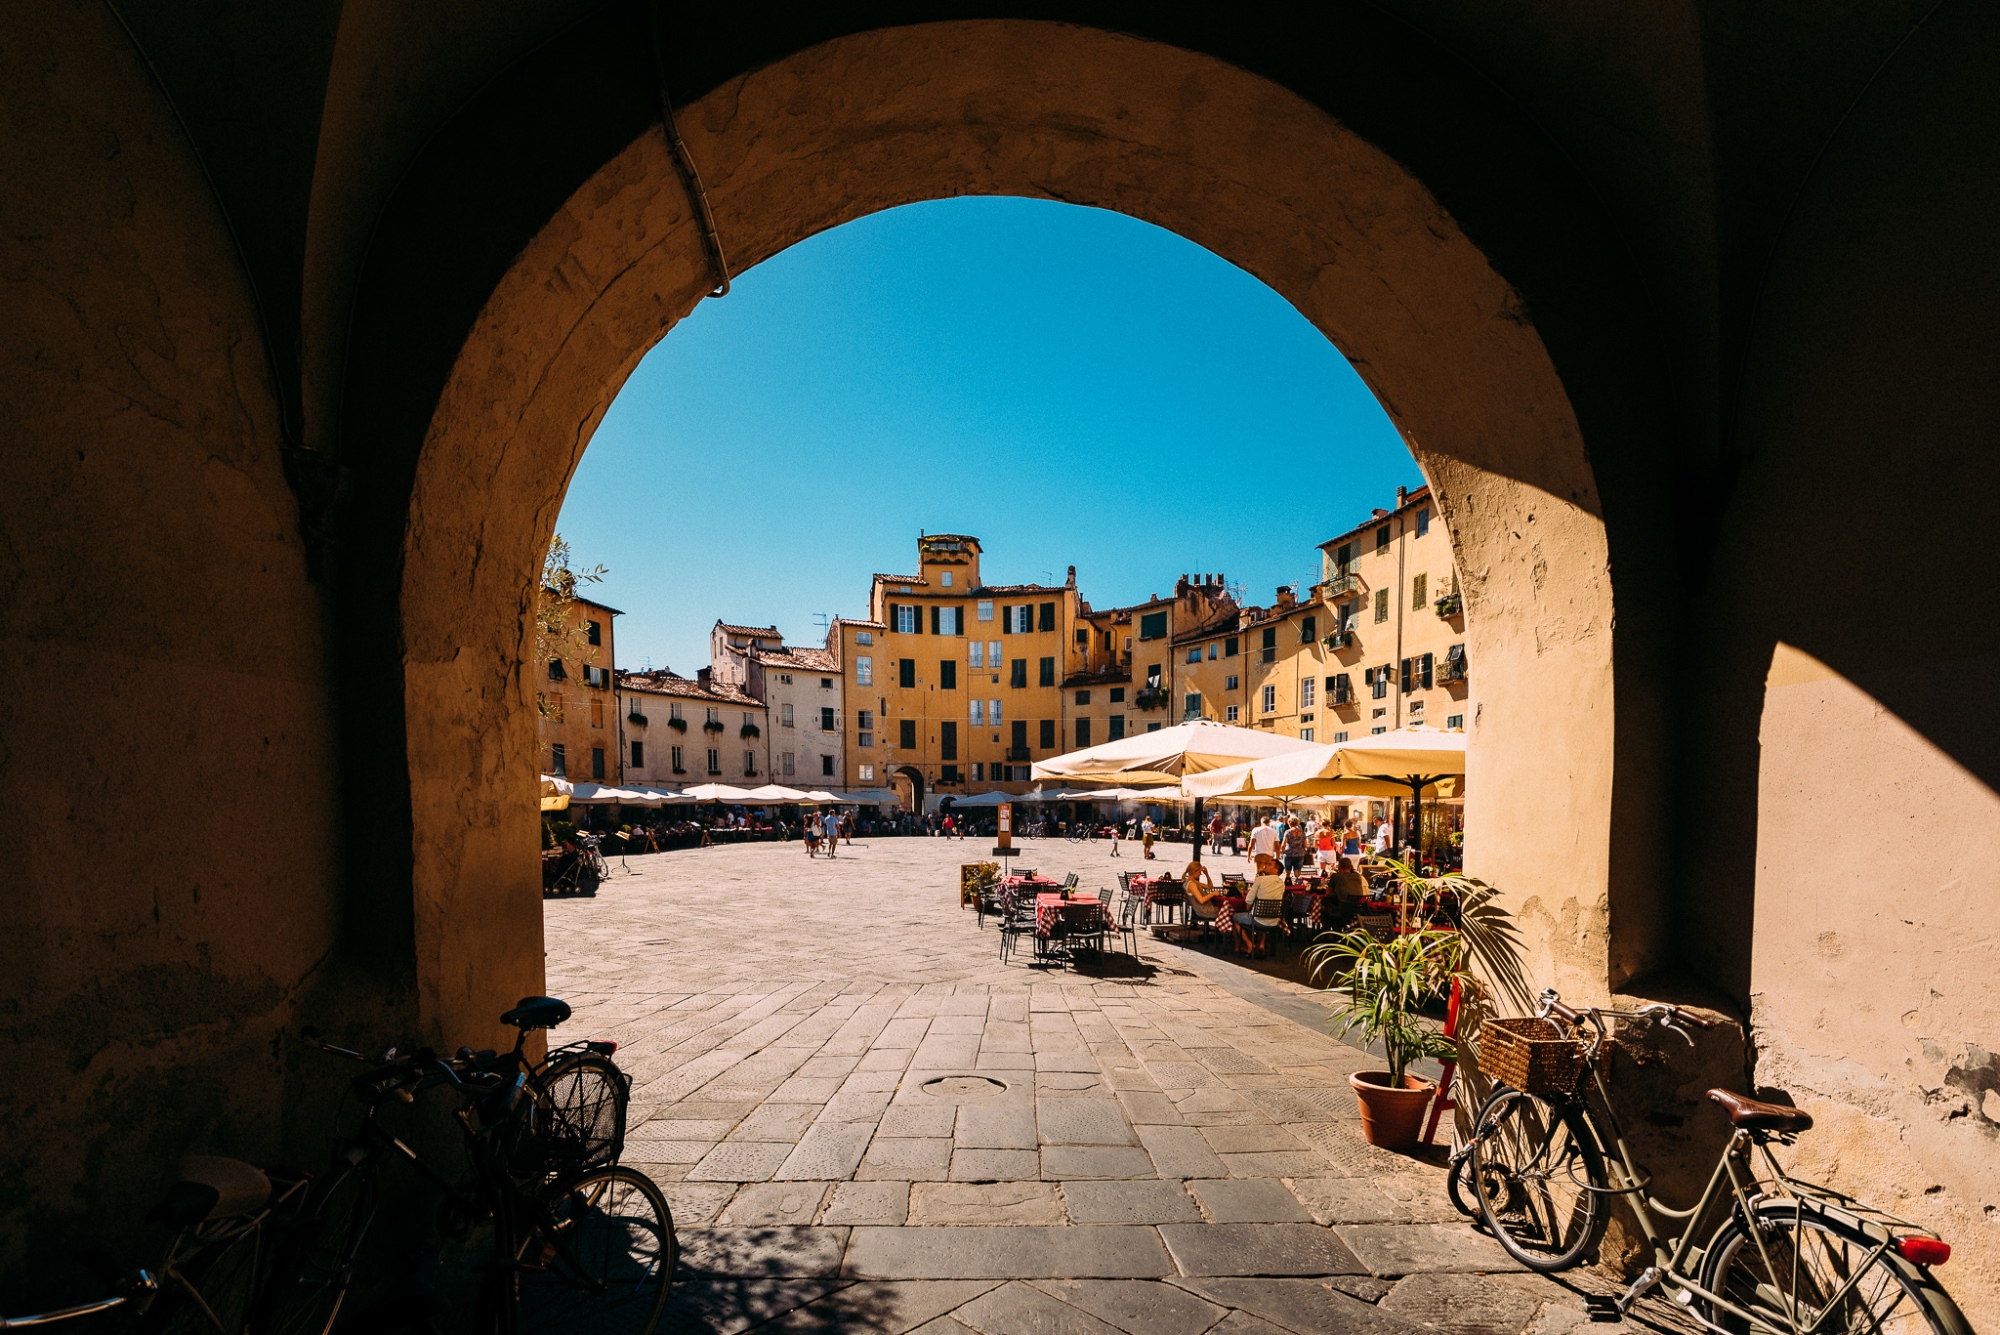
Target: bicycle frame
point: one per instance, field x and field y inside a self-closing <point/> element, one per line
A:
<point x="1676" y="1258"/>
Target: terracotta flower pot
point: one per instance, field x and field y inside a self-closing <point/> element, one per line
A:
<point x="1391" y="1118"/>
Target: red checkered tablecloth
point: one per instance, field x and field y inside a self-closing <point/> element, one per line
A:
<point x="1078" y="914"/>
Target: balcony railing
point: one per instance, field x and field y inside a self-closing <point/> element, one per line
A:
<point x="1451" y="605"/>
<point x="1343" y="584"/>
<point x="1340" y="639"/>
<point x="1019" y="753"/>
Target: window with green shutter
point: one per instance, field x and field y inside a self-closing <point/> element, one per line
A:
<point x="1417" y="583"/>
<point x="1153" y="625"/>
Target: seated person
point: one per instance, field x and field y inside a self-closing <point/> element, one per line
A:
<point x="1264" y="914"/>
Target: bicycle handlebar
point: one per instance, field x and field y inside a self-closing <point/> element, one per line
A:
<point x="1675" y="1018"/>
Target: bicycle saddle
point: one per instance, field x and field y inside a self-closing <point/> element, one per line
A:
<point x="1753" y="1115"/>
<point x="212" y="1187"/>
<point x="537" y="1013"/>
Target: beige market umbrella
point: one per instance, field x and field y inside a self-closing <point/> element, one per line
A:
<point x="1411" y="762"/>
<point x="1167" y="757"/>
<point x="555" y="793"/>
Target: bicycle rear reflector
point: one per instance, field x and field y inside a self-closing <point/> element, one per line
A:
<point x="603" y="1046"/>
<point x="1923" y="1251"/>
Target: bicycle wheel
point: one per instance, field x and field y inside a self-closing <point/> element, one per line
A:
<point x="599" y="1259"/>
<point x="580" y="1105"/>
<point x="1531" y="1166"/>
<point x="315" y="1261"/>
<point x="212" y="1288"/>
<point x="1802" y="1266"/>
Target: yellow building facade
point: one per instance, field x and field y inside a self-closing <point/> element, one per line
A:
<point x="579" y="736"/>
<point x="1391" y="586"/>
<point x="957" y="687"/>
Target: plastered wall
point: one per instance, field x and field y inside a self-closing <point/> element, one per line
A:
<point x="166" y="767"/>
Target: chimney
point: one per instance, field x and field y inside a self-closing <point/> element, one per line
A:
<point x="1402" y="494"/>
<point x="1181" y="587"/>
<point x="1072" y="577"/>
<point x="704" y="676"/>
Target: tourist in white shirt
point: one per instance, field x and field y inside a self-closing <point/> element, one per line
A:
<point x="1264" y="840"/>
<point x="1383" y="834"/>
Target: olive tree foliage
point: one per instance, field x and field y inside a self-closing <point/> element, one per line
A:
<point x="559" y="633"/>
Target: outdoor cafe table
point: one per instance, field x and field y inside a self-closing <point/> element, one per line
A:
<point x="1051" y="908"/>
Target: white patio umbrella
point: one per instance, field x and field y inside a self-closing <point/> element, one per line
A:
<point x="1168" y="756"/>
<point x="586" y="793"/>
<point x="992" y="799"/>
<point x="777" y="792"/>
<point x="719" y="792"/>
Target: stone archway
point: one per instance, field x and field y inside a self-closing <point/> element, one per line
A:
<point x="913" y="776"/>
<point x="1225" y="158"/>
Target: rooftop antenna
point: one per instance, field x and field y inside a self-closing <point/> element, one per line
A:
<point x="821" y="623"/>
<point x="1235" y="590"/>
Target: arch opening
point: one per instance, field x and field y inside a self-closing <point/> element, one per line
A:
<point x="1221" y="157"/>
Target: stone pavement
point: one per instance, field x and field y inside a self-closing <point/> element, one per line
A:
<point x="865" y="1122"/>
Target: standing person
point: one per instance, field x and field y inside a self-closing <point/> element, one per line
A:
<point x="847" y="829"/>
<point x="1295" y="846"/>
<point x="830" y="824"/>
<point x="812" y="839"/>
<point x="1146" y="837"/>
<point x="1384" y="833"/>
<point x="1323" y="850"/>
<point x="1264" y="840"/>
<point x="947" y="825"/>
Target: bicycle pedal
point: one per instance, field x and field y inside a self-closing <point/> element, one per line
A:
<point x="1602" y="1308"/>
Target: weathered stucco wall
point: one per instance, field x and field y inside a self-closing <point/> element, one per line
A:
<point x="166" y="766"/>
<point x="1228" y="160"/>
<point x="1851" y="634"/>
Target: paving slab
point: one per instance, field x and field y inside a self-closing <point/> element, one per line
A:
<point x="886" y="1308"/>
<point x="989" y="1127"/>
<point x="764" y="1203"/>
<point x="1254" y="1139"/>
<point x="829" y="1151"/>
<point x="994" y="1165"/>
<point x="725" y="1305"/>
<point x="1148" y="1107"/>
<point x="777" y="1121"/>
<point x="1410" y="1249"/>
<point x="1249" y="1201"/>
<point x="696" y="1203"/>
<point x="747" y="1161"/>
<point x="1136" y="1306"/>
<point x="1063" y="1162"/>
<point x="1180" y="1151"/>
<point x="917" y="1119"/>
<point x="1258" y="1249"/>
<point x="986" y="1203"/>
<point x="1308" y="1306"/>
<point x="1471" y="1304"/>
<point x="1143" y="1201"/>
<point x="774" y="1252"/>
<point x="912" y="1159"/>
<point x="867" y="1203"/>
<point x="1069" y="1121"/>
<point x="1017" y="1309"/>
<point x="1073" y="1251"/>
<point x="1275" y="1163"/>
<point x="1349" y="1200"/>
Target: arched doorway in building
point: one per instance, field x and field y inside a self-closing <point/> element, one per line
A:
<point x="1261" y="177"/>
<point x="908" y="782"/>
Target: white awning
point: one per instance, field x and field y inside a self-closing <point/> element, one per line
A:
<point x="1165" y="756"/>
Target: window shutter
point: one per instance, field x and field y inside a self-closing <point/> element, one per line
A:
<point x="1427" y="661"/>
<point x="934" y="621"/>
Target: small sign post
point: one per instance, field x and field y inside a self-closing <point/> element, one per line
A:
<point x="1006" y="847"/>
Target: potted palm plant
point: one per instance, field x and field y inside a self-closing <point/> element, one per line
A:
<point x="1387" y="982"/>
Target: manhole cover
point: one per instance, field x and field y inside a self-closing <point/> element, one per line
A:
<point x="964" y="1087"/>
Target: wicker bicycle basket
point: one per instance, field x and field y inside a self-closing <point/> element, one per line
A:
<point x="1534" y="1056"/>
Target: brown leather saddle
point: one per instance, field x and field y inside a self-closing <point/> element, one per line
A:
<point x="1754" y="1115"/>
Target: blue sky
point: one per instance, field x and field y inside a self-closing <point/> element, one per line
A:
<point x="1069" y="385"/>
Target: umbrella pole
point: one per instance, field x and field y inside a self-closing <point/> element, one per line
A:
<point x="1196" y="833"/>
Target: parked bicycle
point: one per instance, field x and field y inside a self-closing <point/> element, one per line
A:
<point x="549" y="1233"/>
<point x="1787" y="1257"/>
<point x="578" y="870"/>
<point x="222" y="1217"/>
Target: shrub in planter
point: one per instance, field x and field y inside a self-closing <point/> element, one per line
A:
<point x="711" y="726"/>
<point x="750" y="730"/>
<point x="1387" y="984"/>
<point x="678" y="724"/>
